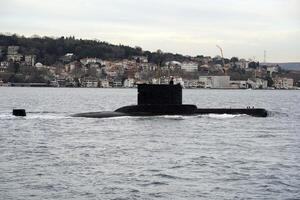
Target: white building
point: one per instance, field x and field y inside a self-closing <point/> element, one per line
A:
<point x="39" y="65"/>
<point x="129" y="83"/>
<point x="214" y="81"/>
<point x="189" y="66"/>
<point x="258" y="83"/>
<point x="104" y="84"/>
<point x="271" y="69"/>
<point x="238" y="84"/>
<point x="191" y="84"/>
<point x="14" y="57"/>
<point x="284" y="83"/>
<point x="3" y="66"/>
<point x="91" y="84"/>
<point x="117" y="84"/>
<point x="12" y="50"/>
<point x="86" y="61"/>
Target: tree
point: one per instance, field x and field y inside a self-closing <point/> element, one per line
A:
<point x="234" y="59"/>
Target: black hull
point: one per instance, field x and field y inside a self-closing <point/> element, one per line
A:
<point x="153" y="110"/>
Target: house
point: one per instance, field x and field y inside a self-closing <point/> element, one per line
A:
<point x="13" y="54"/>
<point x="129" y="83"/>
<point x="3" y="66"/>
<point x="14" y="57"/>
<point x="189" y="66"/>
<point x="91" y="83"/>
<point x="39" y="65"/>
<point x="104" y="83"/>
<point x="86" y="61"/>
<point x="12" y="50"/>
<point x="283" y="83"/>
<point x="117" y="83"/>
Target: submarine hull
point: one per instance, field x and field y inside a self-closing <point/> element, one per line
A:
<point x="256" y="112"/>
<point x="153" y="110"/>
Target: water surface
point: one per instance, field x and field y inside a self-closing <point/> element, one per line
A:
<point x="50" y="155"/>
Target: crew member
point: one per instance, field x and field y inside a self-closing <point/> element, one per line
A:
<point x="171" y="81"/>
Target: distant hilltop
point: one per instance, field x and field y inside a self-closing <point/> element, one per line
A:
<point x="287" y="66"/>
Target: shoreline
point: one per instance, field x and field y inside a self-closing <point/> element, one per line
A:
<point x="46" y="86"/>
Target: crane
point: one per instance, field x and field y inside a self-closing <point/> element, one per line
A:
<point x="225" y="70"/>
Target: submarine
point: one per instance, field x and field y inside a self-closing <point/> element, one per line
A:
<point x="155" y="100"/>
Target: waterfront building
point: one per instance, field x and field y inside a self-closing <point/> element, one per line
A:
<point x="104" y="83"/>
<point x="257" y="83"/>
<point x="117" y="84"/>
<point x="239" y="84"/>
<point x="283" y="83"/>
<point x="91" y="83"/>
<point x="129" y="83"/>
<point x="214" y="81"/>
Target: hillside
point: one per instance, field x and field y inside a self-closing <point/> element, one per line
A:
<point x="48" y="50"/>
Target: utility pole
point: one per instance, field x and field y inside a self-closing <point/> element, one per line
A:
<point x="222" y="58"/>
<point x="265" y="56"/>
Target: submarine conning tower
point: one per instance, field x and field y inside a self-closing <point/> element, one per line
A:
<point x="159" y="100"/>
<point x="159" y="94"/>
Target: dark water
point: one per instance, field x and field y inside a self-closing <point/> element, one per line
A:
<point x="49" y="155"/>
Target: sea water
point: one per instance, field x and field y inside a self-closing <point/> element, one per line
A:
<point x="50" y="155"/>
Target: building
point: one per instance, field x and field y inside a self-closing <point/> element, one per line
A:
<point x="13" y="54"/>
<point x="30" y="60"/>
<point x="91" y="83"/>
<point x="257" y="83"/>
<point x="214" y="81"/>
<point x="86" y="61"/>
<point x="272" y="69"/>
<point x="283" y="83"/>
<point x="238" y="84"/>
<point x="117" y="84"/>
<point x="129" y="83"/>
<point x="191" y="84"/>
<point x="39" y="65"/>
<point x="189" y="66"/>
<point x="3" y="66"/>
<point x="104" y="84"/>
<point x="14" y="57"/>
<point x="12" y="50"/>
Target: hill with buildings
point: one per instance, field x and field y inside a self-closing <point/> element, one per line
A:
<point x="67" y="61"/>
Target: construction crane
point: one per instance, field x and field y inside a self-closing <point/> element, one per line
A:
<point x="225" y="69"/>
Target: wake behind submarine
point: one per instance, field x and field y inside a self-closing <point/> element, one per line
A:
<point x="167" y="100"/>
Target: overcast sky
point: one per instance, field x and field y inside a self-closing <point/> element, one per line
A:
<point x="243" y="28"/>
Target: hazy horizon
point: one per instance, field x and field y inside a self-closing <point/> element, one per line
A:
<point x="242" y="28"/>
